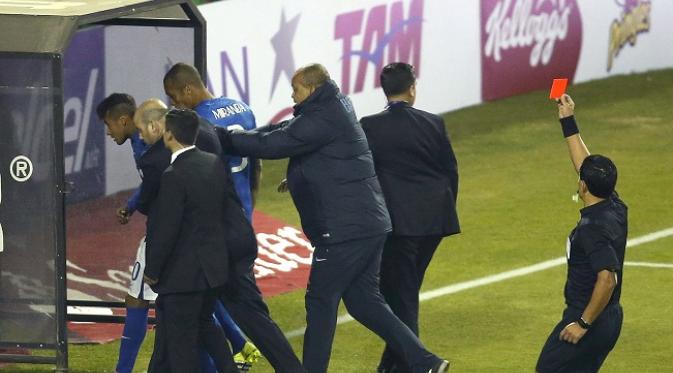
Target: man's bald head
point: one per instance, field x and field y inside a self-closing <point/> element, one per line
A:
<point x="150" y="119"/>
<point x="151" y="110"/>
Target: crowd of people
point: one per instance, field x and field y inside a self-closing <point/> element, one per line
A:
<point x="376" y="195"/>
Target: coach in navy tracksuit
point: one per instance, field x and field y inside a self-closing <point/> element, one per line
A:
<point x="333" y="184"/>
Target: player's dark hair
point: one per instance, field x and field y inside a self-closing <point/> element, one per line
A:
<point x="314" y="75"/>
<point x="183" y="124"/>
<point x="116" y="105"/>
<point x="181" y="75"/>
<point x="397" y="78"/>
<point x="599" y="174"/>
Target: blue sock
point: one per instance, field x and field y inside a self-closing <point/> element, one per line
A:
<point x="231" y="330"/>
<point x="135" y="329"/>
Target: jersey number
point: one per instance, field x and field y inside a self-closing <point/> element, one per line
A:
<point x="244" y="160"/>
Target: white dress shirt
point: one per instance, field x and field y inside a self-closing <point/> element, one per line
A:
<point x="177" y="153"/>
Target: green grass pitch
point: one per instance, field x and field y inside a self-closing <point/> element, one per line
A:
<point x="516" y="183"/>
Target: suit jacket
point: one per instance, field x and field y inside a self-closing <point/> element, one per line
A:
<point x="194" y="223"/>
<point x="417" y="169"/>
<point x="157" y="157"/>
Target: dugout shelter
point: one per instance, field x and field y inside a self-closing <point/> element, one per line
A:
<point x="46" y="147"/>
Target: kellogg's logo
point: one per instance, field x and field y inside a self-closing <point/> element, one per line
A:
<point x="635" y="20"/>
<point x="526" y="43"/>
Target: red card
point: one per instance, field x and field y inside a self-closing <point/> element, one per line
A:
<point x="558" y="88"/>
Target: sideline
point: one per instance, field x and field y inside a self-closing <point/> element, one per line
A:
<point x="523" y="271"/>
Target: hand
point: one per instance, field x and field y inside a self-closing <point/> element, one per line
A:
<point x="224" y="135"/>
<point x="566" y="107"/>
<point x="282" y="186"/>
<point x="149" y="281"/>
<point x="123" y="215"/>
<point x="572" y="333"/>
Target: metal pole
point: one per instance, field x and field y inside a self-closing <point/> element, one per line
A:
<point x="59" y="199"/>
<point x="200" y="42"/>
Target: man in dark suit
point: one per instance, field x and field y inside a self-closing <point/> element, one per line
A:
<point x="417" y="170"/>
<point x="241" y="296"/>
<point x="332" y="181"/>
<point x="150" y="121"/>
<point x="187" y="247"/>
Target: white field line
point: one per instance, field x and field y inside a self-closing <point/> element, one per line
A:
<point x="648" y="265"/>
<point x="499" y="277"/>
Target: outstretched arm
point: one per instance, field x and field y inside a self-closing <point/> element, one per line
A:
<point x="300" y="136"/>
<point x="576" y="147"/>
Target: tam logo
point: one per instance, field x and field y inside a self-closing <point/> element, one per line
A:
<point x="389" y="35"/>
<point x="521" y="40"/>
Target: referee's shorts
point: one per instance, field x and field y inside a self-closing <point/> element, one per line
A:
<point x="589" y="353"/>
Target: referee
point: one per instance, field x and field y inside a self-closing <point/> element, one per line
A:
<point x="595" y="249"/>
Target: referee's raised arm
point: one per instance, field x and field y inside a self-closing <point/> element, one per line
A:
<point x="576" y="147"/>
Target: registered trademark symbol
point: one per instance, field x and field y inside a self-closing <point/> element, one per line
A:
<point x="21" y="168"/>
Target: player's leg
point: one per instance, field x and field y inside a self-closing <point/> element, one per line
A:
<point x="134" y="332"/>
<point x="137" y="306"/>
<point x="207" y="363"/>
<point x="332" y="271"/>
<point x="231" y="330"/>
<point x="245" y="353"/>
<point x="159" y="360"/>
<point x="244" y="302"/>
<point x="182" y="326"/>
<point x="399" y="284"/>
<point x="427" y="247"/>
<point x="212" y="336"/>
<point x="366" y="304"/>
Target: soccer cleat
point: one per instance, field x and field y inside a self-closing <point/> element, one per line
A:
<point x="240" y="362"/>
<point x="250" y="353"/>
<point x="440" y="367"/>
<point x="248" y="356"/>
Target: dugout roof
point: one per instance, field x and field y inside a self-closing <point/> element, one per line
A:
<point x="46" y="26"/>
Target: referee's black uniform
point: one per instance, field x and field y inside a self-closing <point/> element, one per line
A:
<point x="597" y="243"/>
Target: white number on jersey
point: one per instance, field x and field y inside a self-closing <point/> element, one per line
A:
<point x="244" y="160"/>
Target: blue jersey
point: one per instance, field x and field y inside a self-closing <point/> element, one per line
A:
<point x="232" y="114"/>
<point x="138" y="146"/>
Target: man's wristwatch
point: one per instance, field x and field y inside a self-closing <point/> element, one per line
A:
<point x="583" y="323"/>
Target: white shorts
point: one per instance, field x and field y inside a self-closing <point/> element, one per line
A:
<point x="139" y="289"/>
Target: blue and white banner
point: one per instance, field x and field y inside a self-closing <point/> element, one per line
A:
<point x="84" y="146"/>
